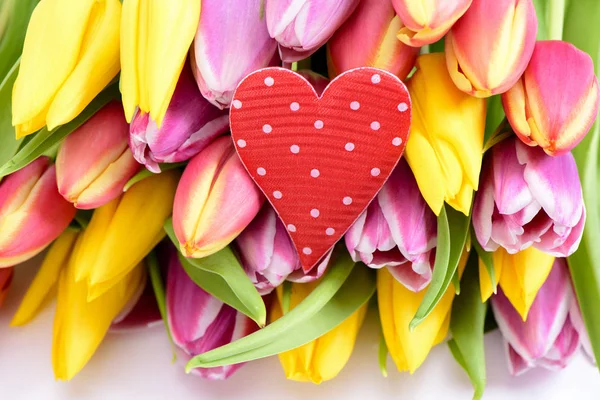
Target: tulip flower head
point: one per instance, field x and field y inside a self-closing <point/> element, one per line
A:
<point x="555" y="102"/>
<point x="528" y="198"/>
<point x="427" y="21"/>
<point x="398" y="231"/>
<point x="489" y="47"/>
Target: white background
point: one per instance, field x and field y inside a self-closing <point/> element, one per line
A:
<point x="138" y="365"/>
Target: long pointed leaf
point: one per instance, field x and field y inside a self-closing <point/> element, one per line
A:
<point x="11" y="41"/>
<point x="8" y="144"/>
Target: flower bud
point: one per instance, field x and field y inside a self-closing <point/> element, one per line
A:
<point x="190" y="124"/>
<point x="488" y="49"/>
<point x="368" y="39"/>
<point x="94" y="162"/>
<point x="215" y="200"/>
<point x="32" y="212"/>
<point x="555" y="102"/>
<point x="427" y="21"/>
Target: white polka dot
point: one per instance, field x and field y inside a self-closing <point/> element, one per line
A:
<point x="397" y="141"/>
<point x="261" y="171"/>
<point x="347" y="200"/>
<point x="294" y="106"/>
<point x="318" y="124"/>
<point x="291" y="228"/>
<point x="268" y="128"/>
<point x="376" y="78"/>
<point x="375" y="172"/>
<point x="314" y="213"/>
<point x="375" y="125"/>
<point x="349" y="146"/>
<point x="315" y="173"/>
<point x="237" y="104"/>
<point x="307" y="251"/>
<point x="329" y="231"/>
<point x="277" y="194"/>
<point x="269" y="81"/>
<point x="355" y="105"/>
<point x="241" y="143"/>
<point x="402" y="107"/>
<point x="295" y="149"/>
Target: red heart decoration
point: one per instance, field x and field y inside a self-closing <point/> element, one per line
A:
<point x="320" y="160"/>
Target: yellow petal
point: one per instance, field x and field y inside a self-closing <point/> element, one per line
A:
<point x="486" y="286"/>
<point x="130" y="26"/>
<point x="44" y="284"/>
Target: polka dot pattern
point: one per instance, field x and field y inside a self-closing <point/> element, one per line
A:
<point x="320" y="161"/>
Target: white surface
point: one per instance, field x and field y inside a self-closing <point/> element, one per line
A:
<point x="138" y="365"/>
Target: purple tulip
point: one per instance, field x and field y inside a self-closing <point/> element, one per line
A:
<point x="549" y="338"/>
<point x="301" y="27"/>
<point x="190" y="124"/>
<point x="199" y="322"/>
<point x="397" y="231"/>
<point x="527" y="198"/>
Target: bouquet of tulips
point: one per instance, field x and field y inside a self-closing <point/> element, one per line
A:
<point x="117" y="162"/>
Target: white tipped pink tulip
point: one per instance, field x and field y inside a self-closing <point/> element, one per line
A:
<point x="232" y="41"/>
<point x="397" y="231"/>
<point x="548" y="338"/>
<point x="301" y="27"/>
<point x="527" y="198"/>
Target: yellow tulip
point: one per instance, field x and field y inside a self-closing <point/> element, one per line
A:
<point x="323" y="358"/>
<point x="155" y="38"/>
<point x="71" y="52"/>
<point x="122" y="232"/>
<point x="520" y="276"/>
<point x="444" y="149"/>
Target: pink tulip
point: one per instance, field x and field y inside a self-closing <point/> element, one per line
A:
<point x="527" y="198"/>
<point x="199" y="322"/>
<point x="548" y="338"/>
<point x="578" y="324"/>
<point x="232" y="41"/>
<point x="555" y="102"/>
<point x="488" y="49"/>
<point x="368" y="38"/>
<point x="190" y="124"/>
<point x="141" y="312"/>
<point x="32" y="212"/>
<point x="427" y="21"/>
<point x="301" y="27"/>
<point x="398" y="230"/>
<point x="94" y="162"/>
<point x="215" y="200"/>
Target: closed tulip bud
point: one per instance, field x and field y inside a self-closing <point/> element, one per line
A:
<point x="555" y="102"/>
<point x="528" y="198"/>
<point x="446" y="164"/>
<point x="547" y="338"/>
<point x="490" y="46"/>
<point x="199" y="322"/>
<point x="427" y="21"/>
<point x="71" y="53"/>
<point x="32" y="212"/>
<point x="189" y="125"/>
<point x="230" y="45"/>
<point x="368" y="39"/>
<point x="155" y="38"/>
<point x="6" y="276"/>
<point x="323" y="358"/>
<point x="215" y="200"/>
<point x="94" y="162"/>
<point x="397" y="231"/>
<point x="302" y="27"/>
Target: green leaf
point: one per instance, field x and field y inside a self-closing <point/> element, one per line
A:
<point x="335" y="299"/>
<point x="382" y="353"/>
<point x="144" y="173"/>
<point x="541" y="10"/>
<point x="580" y="17"/>
<point x="493" y="118"/>
<point x="8" y="144"/>
<point x="467" y="328"/>
<point x="222" y="276"/>
<point x="15" y="16"/>
<point x="452" y="230"/>
<point x="45" y="140"/>
<point x="488" y="260"/>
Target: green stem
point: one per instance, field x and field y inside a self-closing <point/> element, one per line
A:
<point x="556" y="19"/>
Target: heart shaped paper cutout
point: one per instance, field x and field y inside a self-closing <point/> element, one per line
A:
<point x="320" y="160"/>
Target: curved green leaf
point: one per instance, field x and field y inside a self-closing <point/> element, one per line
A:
<point x="487" y="258"/>
<point x="144" y="173"/>
<point x="452" y="230"/>
<point x="301" y="325"/>
<point x="14" y="18"/>
<point x="8" y="144"/>
<point x="159" y="293"/>
<point x="222" y="276"/>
